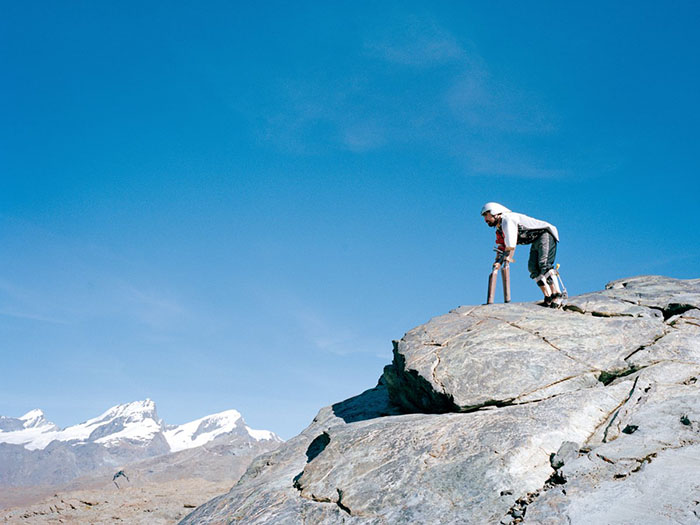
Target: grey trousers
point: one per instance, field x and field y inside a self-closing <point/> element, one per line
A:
<point x="542" y="253"/>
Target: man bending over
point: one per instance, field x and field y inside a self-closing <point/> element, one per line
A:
<point x="515" y="228"/>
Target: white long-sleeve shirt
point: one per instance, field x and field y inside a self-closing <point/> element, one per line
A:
<point x="511" y="220"/>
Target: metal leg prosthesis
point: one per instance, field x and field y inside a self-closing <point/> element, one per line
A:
<point x="544" y="285"/>
<point x="558" y="281"/>
<point x="552" y="287"/>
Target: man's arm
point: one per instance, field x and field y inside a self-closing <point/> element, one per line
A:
<point x="504" y="256"/>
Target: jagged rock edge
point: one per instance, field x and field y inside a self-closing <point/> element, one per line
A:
<point x="521" y="503"/>
<point x="419" y="396"/>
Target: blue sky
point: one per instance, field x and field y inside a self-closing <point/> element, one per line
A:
<point x="225" y="205"/>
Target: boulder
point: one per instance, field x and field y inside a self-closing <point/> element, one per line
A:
<point x="506" y="414"/>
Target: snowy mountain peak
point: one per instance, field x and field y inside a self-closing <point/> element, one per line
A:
<point x="134" y="411"/>
<point x="201" y="431"/>
<point x="132" y="424"/>
<point x="136" y="422"/>
<point x="36" y="419"/>
<point x="262" y="435"/>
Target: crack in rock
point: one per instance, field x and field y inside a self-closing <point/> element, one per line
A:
<point x="511" y="402"/>
<point x="610" y="314"/>
<point x="545" y="387"/>
<point x="667" y="311"/>
<point x="642" y="461"/>
<point x="592" y="435"/>
<point x="617" y="410"/>
<point x="539" y="336"/>
<point x="340" y="502"/>
<point x="573" y="308"/>
<point x="519" y="508"/>
<point x="465" y="314"/>
<point x="676" y="309"/>
<point x="320" y="499"/>
<point x="543" y="338"/>
<point x="685" y="321"/>
<point x="606" y="459"/>
<point x="594" y="313"/>
<point x="433" y="372"/>
<point x="607" y="377"/>
<point x="648" y="345"/>
<point x="491" y="403"/>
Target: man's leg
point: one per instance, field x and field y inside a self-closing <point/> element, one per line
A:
<point x="546" y="263"/>
<point x="538" y="257"/>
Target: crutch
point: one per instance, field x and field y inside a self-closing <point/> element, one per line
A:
<point x="505" y="276"/>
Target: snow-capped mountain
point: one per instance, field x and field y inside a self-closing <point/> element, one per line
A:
<point x="33" y="450"/>
<point x="136" y="423"/>
<point x="33" y="420"/>
<point x="200" y="431"/>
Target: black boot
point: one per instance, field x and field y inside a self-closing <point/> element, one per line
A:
<point x="547" y="303"/>
<point x="555" y="300"/>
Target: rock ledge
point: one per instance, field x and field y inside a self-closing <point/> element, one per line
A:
<point x="506" y="414"/>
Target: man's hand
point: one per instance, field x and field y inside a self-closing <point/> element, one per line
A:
<point x="496" y="266"/>
<point x="508" y="255"/>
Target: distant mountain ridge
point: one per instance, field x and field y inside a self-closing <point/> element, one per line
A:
<point x="31" y="420"/>
<point x="136" y="422"/>
<point x="35" y="451"/>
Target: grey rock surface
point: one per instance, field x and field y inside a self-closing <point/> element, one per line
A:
<point x="507" y="414"/>
<point x="138" y="503"/>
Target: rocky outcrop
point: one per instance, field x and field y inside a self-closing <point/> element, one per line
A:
<point x="507" y="414"/>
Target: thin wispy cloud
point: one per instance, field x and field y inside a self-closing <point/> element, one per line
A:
<point x="514" y="166"/>
<point x="320" y="113"/>
<point x="314" y="327"/>
<point x="66" y="281"/>
<point x="363" y="135"/>
<point x="465" y="107"/>
<point x="325" y="336"/>
<point x="329" y="336"/>
<point x="22" y="303"/>
<point x="482" y="103"/>
<point x="151" y="307"/>
<point x="30" y="316"/>
<point x="417" y="41"/>
<point x="473" y="116"/>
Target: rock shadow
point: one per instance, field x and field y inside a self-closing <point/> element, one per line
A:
<point x="317" y="446"/>
<point x="370" y="404"/>
<point x="412" y="392"/>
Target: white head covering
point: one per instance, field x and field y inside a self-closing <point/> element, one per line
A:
<point x="494" y="208"/>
